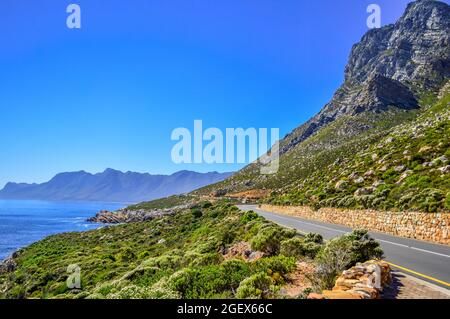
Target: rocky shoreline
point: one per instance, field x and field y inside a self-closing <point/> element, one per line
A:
<point x="128" y="216"/>
<point x="9" y="264"/>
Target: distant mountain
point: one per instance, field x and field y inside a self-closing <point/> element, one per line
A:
<point x="111" y="186"/>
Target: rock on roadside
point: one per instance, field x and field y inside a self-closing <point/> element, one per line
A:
<point x="363" y="281"/>
<point x="128" y="216"/>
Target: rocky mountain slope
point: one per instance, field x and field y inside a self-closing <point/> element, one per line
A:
<point x="407" y="169"/>
<point x="393" y="77"/>
<point x="390" y="66"/>
<point x="111" y="186"/>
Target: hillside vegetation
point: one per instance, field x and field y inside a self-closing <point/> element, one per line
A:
<point x="405" y="169"/>
<point x="181" y="256"/>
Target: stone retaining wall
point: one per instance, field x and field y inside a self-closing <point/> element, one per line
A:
<point x="433" y="227"/>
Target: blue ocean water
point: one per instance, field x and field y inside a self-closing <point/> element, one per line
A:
<point x="24" y="222"/>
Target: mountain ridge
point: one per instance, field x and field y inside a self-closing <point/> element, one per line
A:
<point x="111" y="186"/>
<point x="393" y="76"/>
<point x="412" y="54"/>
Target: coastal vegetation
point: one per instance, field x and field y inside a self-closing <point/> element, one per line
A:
<point x="185" y="255"/>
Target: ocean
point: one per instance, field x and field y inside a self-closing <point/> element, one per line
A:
<point x="24" y="222"/>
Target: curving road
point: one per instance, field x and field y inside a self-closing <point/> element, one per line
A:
<point x="427" y="261"/>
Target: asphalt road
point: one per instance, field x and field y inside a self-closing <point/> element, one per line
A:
<point x="427" y="261"/>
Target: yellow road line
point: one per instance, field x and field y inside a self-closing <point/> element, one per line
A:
<point x="420" y="275"/>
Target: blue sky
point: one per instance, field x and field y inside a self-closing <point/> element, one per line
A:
<point x="110" y="94"/>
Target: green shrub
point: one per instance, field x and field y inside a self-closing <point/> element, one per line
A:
<point x="197" y="213"/>
<point x="214" y="281"/>
<point x="292" y="247"/>
<point x="162" y="290"/>
<point x="341" y="253"/>
<point x="249" y="216"/>
<point x="206" y="205"/>
<point x="198" y="283"/>
<point x="167" y="261"/>
<point x="206" y="259"/>
<point x="447" y="202"/>
<point x="313" y="238"/>
<point x="363" y="246"/>
<point x="258" y="286"/>
<point x="131" y="292"/>
<point x="143" y="254"/>
<point x="126" y="255"/>
<point x="276" y="264"/>
<point x="141" y="272"/>
<point x="296" y="247"/>
<point x="332" y="259"/>
<point x="235" y="271"/>
<point x="268" y="240"/>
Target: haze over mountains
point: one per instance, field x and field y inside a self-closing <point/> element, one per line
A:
<point x="111" y="186"/>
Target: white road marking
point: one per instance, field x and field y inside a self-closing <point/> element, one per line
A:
<point x="392" y="243"/>
<point x="292" y="219"/>
<point x="430" y="252"/>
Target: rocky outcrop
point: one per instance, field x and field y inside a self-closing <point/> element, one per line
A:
<point x="242" y="250"/>
<point x="9" y="264"/>
<point x="433" y="227"/>
<point x="363" y="281"/>
<point x="128" y="216"/>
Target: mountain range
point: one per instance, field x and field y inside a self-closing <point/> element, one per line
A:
<point x="111" y="186"/>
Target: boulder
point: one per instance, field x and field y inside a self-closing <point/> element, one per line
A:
<point x="400" y="168"/>
<point x="363" y="281"/>
<point x="332" y="294"/>
<point x="444" y="169"/>
<point x="425" y="149"/>
<point x="8" y="265"/>
<point x="316" y="296"/>
<point x="364" y="191"/>
<point x="341" y="185"/>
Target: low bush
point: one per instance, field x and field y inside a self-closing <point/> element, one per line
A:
<point x="258" y="286"/>
<point x="341" y="253"/>
<point x="276" y="264"/>
<point x="249" y="216"/>
<point x="269" y="239"/>
<point x="297" y="247"/>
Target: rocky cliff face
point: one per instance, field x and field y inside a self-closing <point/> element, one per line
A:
<point x="391" y="78"/>
<point x="389" y="67"/>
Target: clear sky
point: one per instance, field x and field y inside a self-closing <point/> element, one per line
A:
<point x="110" y="94"/>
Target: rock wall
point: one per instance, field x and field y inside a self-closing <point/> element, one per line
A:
<point x="433" y="227"/>
<point x="364" y="281"/>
